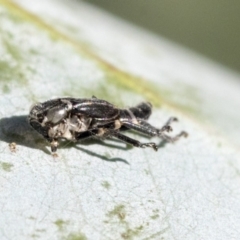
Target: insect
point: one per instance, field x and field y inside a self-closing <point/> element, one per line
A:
<point x="77" y="119"/>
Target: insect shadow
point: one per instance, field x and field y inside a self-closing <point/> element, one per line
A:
<point x="17" y="129"/>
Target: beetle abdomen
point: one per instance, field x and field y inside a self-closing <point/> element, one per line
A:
<point x="142" y="110"/>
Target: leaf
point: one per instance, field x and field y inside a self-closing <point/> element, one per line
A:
<point x="106" y="190"/>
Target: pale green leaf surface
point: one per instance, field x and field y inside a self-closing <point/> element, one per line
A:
<point x="189" y="190"/>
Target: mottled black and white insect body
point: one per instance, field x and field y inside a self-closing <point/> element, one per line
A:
<point x="78" y="119"/>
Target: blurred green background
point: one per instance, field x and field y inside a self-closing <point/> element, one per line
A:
<point x="210" y="27"/>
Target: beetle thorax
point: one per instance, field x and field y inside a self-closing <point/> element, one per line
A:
<point x="69" y="127"/>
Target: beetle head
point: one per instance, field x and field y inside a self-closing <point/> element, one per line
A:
<point x="50" y="115"/>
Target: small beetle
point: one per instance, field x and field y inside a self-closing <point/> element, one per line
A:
<point x="77" y="119"/>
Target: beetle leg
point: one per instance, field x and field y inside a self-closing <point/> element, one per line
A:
<point x="146" y="128"/>
<point x="99" y="133"/>
<point x="103" y="133"/>
<point x="132" y="141"/>
<point x="54" y="146"/>
<point x="44" y="132"/>
<point x="175" y="138"/>
<point x="88" y="134"/>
